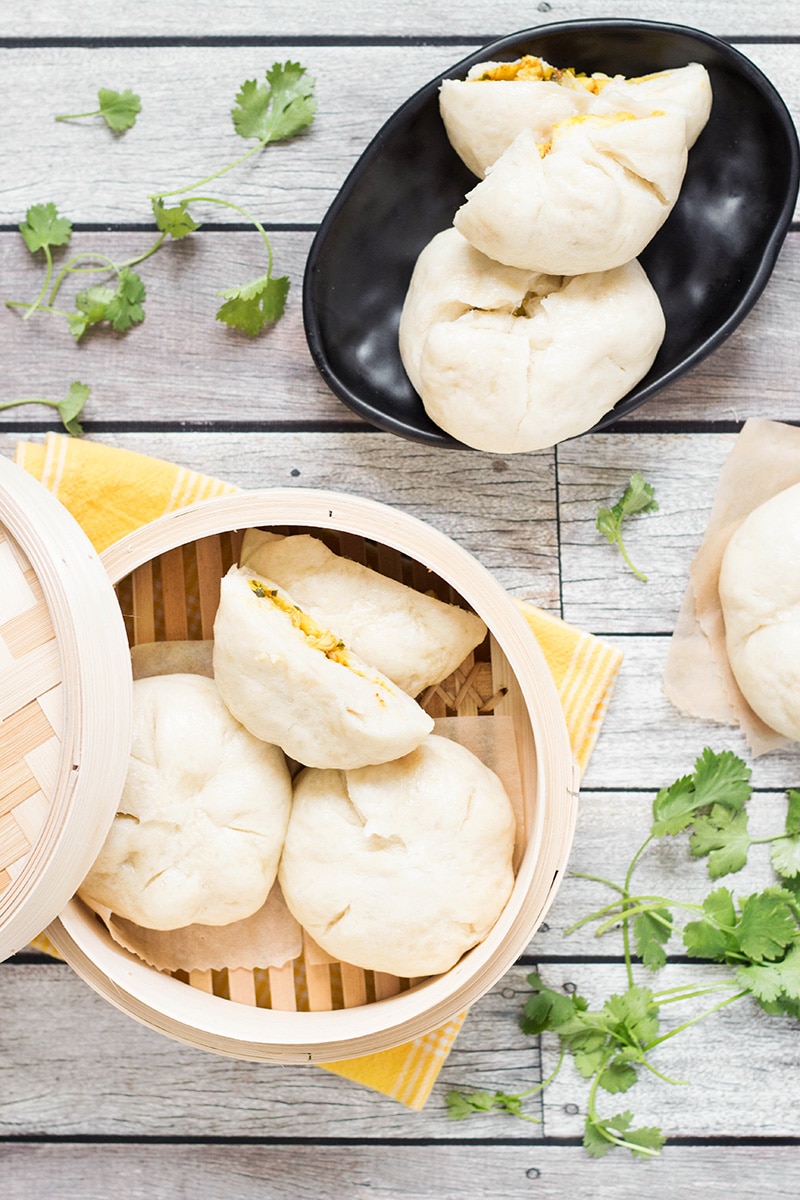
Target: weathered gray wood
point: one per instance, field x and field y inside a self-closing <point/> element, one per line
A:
<point x="646" y="743"/>
<point x="71" y="1065"/>
<point x="503" y="514"/>
<point x="273" y="1172"/>
<point x="184" y="130"/>
<point x="599" y="591"/>
<point x="242" y="17"/>
<point x="740" y="1065"/>
<point x="611" y="828"/>
<point x="182" y="364"/>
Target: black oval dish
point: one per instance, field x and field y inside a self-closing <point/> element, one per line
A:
<point x="709" y="262"/>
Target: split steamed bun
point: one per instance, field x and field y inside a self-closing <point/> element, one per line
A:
<point x="402" y="867"/>
<point x="292" y="682"/>
<point x="509" y="360"/>
<point x="759" y="590"/>
<point x="414" y="639"/>
<point x="485" y="112"/>
<point x="588" y="200"/>
<point x="203" y="813"/>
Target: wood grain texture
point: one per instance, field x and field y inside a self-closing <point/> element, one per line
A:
<point x="417" y="17"/>
<point x="85" y="1068"/>
<point x="184" y="131"/>
<point x="181" y="364"/>
<point x="442" y="1172"/>
<point x="502" y="511"/>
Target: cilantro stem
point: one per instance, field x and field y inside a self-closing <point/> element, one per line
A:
<point x="29" y="400"/>
<point x="43" y="292"/>
<point x="243" y="213"/>
<point x="104" y="263"/>
<point x="693" y="1020"/>
<point x="598" y="1123"/>
<point x="626" y="929"/>
<point x="48" y="308"/>
<point x="639" y="574"/>
<point x="671" y="996"/>
<point x="209" y="178"/>
<point x="660" y="1074"/>
<point x="77" y="116"/>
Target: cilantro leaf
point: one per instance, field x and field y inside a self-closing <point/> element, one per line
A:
<point x="673" y="807"/>
<point x="652" y="931"/>
<point x="712" y="936"/>
<point x="68" y="408"/>
<point x="638" y="497"/>
<point x="72" y="405"/>
<point x="119" y="110"/>
<point x="766" y="925"/>
<point x="121" y="306"/>
<point x="722" y="778"/>
<point x="719" y="778"/>
<point x="546" y="1008"/>
<point x="786" y="850"/>
<point x="43" y="228"/>
<point x="461" y="1105"/>
<point x="279" y="110"/>
<point x="600" y="1136"/>
<point x="176" y="220"/>
<point x="255" y="305"/>
<point x="724" y="838"/>
<point x="618" y="1076"/>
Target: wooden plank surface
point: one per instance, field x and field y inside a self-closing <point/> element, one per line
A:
<point x="207" y="372"/>
<point x="315" y="1172"/>
<point x="149" y="19"/>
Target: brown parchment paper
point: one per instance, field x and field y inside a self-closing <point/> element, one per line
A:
<point x="270" y="937"/>
<point x="698" y="679"/>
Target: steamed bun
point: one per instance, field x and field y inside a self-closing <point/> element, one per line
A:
<point x="292" y="682"/>
<point x="485" y="112"/>
<point x="590" y="199"/>
<point x="759" y="590"/>
<point x="510" y="360"/>
<point x="202" y="817"/>
<point x="414" y="639"/>
<point x="403" y="867"/>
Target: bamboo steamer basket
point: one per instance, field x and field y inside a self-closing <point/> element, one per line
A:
<point x="166" y="579"/>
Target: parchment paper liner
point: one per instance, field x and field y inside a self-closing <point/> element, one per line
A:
<point x="765" y="460"/>
<point x="272" y="937"/>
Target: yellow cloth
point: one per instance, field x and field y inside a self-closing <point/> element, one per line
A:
<point x="112" y="492"/>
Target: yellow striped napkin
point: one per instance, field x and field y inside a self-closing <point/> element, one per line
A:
<point x="112" y="491"/>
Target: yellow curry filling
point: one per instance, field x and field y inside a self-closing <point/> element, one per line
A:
<point x="321" y="639"/>
<point x="530" y="67"/>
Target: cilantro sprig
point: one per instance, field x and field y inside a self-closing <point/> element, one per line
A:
<point x="68" y="408"/>
<point x="757" y="937"/>
<point x="638" y="497"/>
<point x="268" y="112"/>
<point x="119" y="110"/>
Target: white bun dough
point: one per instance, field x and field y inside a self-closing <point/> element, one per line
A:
<point x="403" y="867"/>
<point x="509" y="360"/>
<point x="203" y="813"/>
<point x="591" y="202"/>
<point x="293" y="683"/>
<point x="414" y="639"/>
<point x="759" y="590"/>
<point x="482" y="117"/>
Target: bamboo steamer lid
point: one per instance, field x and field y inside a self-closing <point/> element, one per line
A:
<point x="65" y="706"/>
